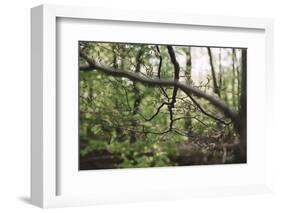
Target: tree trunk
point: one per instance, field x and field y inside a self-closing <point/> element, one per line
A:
<point x="241" y="151"/>
<point x="215" y="84"/>
<point x="220" y="71"/>
<point x="188" y="120"/>
<point x="120" y="136"/>
<point x="137" y="102"/>
<point x="233" y="79"/>
<point x="237" y="77"/>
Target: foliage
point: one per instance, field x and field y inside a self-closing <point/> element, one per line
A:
<point x="123" y="121"/>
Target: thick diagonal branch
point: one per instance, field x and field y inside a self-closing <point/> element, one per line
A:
<point x="188" y="89"/>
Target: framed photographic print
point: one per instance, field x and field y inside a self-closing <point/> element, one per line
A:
<point x="136" y="106"/>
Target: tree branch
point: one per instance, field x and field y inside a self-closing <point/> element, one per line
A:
<point x="91" y="65"/>
<point x="156" y="113"/>
<point x="159" y="71"/>
<point x="176" y="73"/>
<point x="206" y="113"/>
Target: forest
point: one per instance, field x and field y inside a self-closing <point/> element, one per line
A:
<point x="150" y="105"/>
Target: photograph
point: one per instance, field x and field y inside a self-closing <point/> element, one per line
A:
<point x="161" y="105"/>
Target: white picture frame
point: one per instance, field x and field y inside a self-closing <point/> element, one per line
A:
<point x="45" y="168"/>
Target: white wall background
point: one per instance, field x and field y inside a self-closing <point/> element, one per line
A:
<point x="15" y="105"/>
